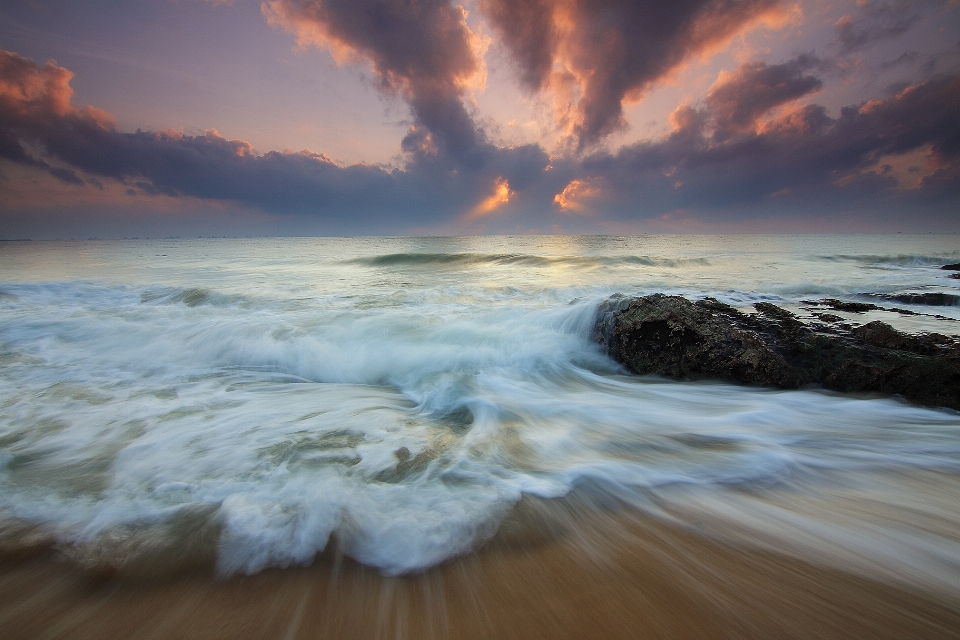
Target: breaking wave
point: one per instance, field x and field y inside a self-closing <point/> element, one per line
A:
<point x="253" y="417"/>
<point x="471" y="259"/>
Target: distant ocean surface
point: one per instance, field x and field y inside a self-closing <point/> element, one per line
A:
<point x="403" y="394"/>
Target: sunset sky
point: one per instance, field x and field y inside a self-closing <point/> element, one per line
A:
<point x="343" y="117"/>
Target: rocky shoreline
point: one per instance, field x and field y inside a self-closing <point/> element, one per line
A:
<point x="707" y="339"/>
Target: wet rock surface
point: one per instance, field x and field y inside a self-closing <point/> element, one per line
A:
<point x="707" y="339"/>
<point x="935" y="299"/>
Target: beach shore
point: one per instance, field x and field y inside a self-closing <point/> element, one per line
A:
<point x="556" y="569"/>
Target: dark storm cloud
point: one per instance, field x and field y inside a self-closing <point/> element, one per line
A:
<point x="39" y="127"/>
<point x="422" y="51"/>
<point x="755" y="88"/>
<point x="31" y="96"/>
<point x="601" y="50"/>
<point x="529" y="33"/>
<point x="748" y="144"/>
<point x="802" y="158"/>
<point x="612" y="48"/>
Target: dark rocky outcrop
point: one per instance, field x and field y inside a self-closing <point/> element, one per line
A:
<point x="840" y="305"/>
<point x="678" y="338"/>
<point x="952" y="267"/>
<point x="935" y="299"/>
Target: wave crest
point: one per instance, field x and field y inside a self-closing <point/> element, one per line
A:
<point x="517" y="259"/>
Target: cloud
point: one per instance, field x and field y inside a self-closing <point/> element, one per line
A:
<point x="501" y="195"/>
<point x="529" y="32"/>
<point x="739" y="99"/>
<point x="800" y="160"/>
<point x="909" y="57"/>
<point x="422" y="51"/>
<point x="884" y="20"/>
<point x="576" y="193"/>
<point x="592" y="56"/>
<point x="752" y="146"/>
<point x="601" y="52"/>
<point x="39" y="127"/>
<point x="32" y="100"/>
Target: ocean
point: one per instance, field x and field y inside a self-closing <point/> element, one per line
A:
<point x="249" y="402"/>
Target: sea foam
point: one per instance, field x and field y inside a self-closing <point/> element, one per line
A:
<point x="397" y="406"/>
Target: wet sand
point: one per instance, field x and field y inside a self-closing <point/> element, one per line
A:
<point x="555" y="570"/>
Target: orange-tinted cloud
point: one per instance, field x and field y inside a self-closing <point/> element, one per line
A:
<point x="899" y="154"/>
<point x="26" y="88"/>
<point x="598" y="52"/>
<point x="772" y="153"/>
<point x="501" y="195"/>
<point x="738" y="99"/>
<point x="574" y="196"/>
<point x="33" y="101"/>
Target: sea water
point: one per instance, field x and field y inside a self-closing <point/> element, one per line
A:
<point x="401" y="395"/>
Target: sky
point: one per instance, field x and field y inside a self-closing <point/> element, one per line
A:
<point x="206" y="118"/>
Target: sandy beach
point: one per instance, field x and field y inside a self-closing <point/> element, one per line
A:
<point x="556" y="569"/>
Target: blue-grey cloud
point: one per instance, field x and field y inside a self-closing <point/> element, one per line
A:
<point x="756" y="88"/>
<point x="39" y="127"/>
<point x="879" y="20"/>
<point x="422" y="51"/>
<point x="747" y="145"/>
<point x="801" y="160"/>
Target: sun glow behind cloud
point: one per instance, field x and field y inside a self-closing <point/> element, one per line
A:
<point x="501" y="195"/>
<point x="574" y="196"/>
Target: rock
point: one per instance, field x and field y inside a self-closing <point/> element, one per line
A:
<point x="678" y="338"/>
<point x="828" y="317"/>
<point x="935" y="299"/>
<point x="952" y="267"/>
<point x="880" y="334"/>
<point x="840" y="305"/>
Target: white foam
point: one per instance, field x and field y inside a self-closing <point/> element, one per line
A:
<point x="403" y="419"/>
